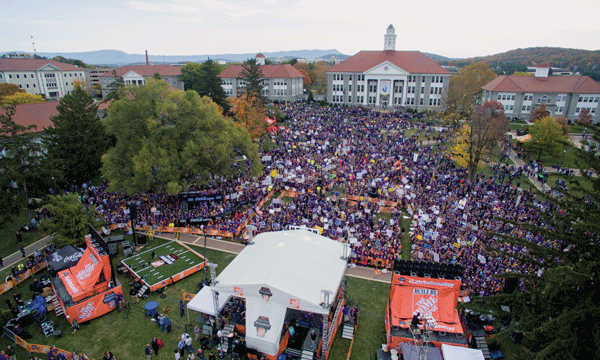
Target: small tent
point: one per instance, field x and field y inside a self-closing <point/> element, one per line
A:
<point x="461" y="353"/>
<point x="64" y="258"/>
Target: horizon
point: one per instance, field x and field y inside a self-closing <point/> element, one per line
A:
<point x="185" y="28"/>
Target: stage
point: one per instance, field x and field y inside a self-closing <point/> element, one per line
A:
<point x="172" y="262"/>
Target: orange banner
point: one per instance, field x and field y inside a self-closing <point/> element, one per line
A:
<point x="188" y="296"/>
<point x="95" y="306"/>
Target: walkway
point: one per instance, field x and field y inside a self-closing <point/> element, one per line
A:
<point x="30" y="249"/>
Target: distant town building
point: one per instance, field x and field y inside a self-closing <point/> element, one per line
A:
<point x="50" y="78"/>
<point x="565" y="95"/>
<point x="385" y="78"/>
<point x="137" y="75"/>
<point x="281" y="82"/>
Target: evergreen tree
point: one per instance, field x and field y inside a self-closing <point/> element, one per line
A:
<point x="253" y="80"/>
<point x="77" y="141"/>
<point x="561" y="309"/>
<point x="203" y="78"/>
<point x="19" y="163"/>
<point x="115" y="88"/>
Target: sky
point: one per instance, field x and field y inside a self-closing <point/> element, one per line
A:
<point x="456" y="29"/>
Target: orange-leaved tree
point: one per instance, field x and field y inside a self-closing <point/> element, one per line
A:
<point x="21" y="98"/>
<point x="249" y="113"/>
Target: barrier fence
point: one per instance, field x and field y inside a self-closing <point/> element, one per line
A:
<point x="41" y="349"/>
<point x="22" y="277"/>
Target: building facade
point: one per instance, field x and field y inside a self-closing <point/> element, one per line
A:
<point x="389" y="78"/>
<point x="138" y="74"/>
<point x="50" y="78"/>
<point x="565" y="95"/>
<point x="94" y="75"/>
<point x="280" y="82"/>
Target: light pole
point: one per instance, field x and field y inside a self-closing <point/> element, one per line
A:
<point x="132" y="217"/>
<point x="563" y="158"/>
<point x="204" y="267"/>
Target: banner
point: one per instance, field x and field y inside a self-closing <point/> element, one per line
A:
<point x="95" y="306"/>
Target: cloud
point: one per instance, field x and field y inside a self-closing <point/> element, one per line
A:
<point x="162" y="7"/>
<point x="270" y="2"/>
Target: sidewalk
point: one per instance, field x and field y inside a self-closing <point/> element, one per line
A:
<point x="14" y="258"/>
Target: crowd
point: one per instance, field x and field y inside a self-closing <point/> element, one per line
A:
<point x="396" y="157"/>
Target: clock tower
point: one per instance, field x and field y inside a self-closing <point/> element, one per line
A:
<point x="390" y="39"/>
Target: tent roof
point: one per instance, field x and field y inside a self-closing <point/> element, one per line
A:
<point x="297" y="262"/>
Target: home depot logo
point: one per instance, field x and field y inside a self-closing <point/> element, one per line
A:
<point x="87" y="271"/>
<point x="87" y="311"/>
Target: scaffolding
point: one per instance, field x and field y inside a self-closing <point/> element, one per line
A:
<point x="422" y="338"/>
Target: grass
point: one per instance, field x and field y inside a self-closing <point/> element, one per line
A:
<point x="7" y="234"/>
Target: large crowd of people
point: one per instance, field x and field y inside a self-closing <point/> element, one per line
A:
<point x="396" y="162"/>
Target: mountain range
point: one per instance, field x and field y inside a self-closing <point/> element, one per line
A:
<point x="120" y="58"/>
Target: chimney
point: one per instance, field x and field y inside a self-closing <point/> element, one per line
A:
<point x="147" y="62"/>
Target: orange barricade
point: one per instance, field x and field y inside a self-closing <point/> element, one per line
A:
<point x="188" y="296"/>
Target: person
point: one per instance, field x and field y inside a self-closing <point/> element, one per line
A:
<point x="148" y="352"/>
<point x="3" y="356"/>
<point x="19" y="236"/>
<point x="211" y="356"/>
<point x="177" y="355"/>
<point x="108" y="355"/>
<point x="22" y="249"/>
<point x="181" y="346"/>
<point x="416" y="320"/>
<point x="181" y="308"/>
<point x="168" y="324"/>
<point x="162" y="322"/>
<point x="10" y="352"/>
<point x="221" y="355"/>
<point x="155" y="346"/>
<point x="196" y="332"/>
<point x="200" y="354"/>
<point x="188" y="343"/>
<point x="134" y="297"/>
<point x="219" y="337"/>
<point x="119" y="301"/>
<point x="313" y="340"/>
<point x="1" y="262"/>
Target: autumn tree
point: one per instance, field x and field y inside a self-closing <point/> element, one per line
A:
<point x="21" y="98"/>
<point x="547" y="137"/>
<point x="475" y="141"/>
<point x="540" y="112"/>
<point x="250" y="114"/>
<point x="585" y="116"/>
<point x="7" y="89"/>
<point x="168" y="140"/>
<point x="465" y="88"/>
<point x="77" y="141"/>
<point x="563" y="123"/>
<point x="306" y="79"/>
<point x="319" y="80"/>
<point x="203" y="78"/>
<point x="252" y="76"/>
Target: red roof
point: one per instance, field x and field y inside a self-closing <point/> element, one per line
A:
<point x="544" y="65"/>
<point x="260" y="55"/>
<point x="552" y="84"/>
<point x="269" y="71"/>
<point x="7" y="64"/>
<point x="36" y="114"/>
<point x="146" y="70"/>
<point x="414" y="62"/>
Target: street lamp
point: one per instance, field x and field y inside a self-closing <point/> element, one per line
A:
<point x="563" y="158"/>
<point x="204" y="267"/>
<point x="133" y="217"/>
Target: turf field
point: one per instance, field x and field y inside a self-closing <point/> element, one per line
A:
<point x="171" y="258"/>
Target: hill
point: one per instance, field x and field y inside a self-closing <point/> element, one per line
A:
<point x="586" y="62"/>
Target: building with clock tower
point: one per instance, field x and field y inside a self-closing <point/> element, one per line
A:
<point x="388" y="78"/>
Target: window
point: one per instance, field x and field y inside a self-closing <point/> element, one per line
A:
<point x="67" y="84"/>
<point x="349" y="98"/>
<point x="512" y="97"/>
<point x="441" y="79"/>
<point x="422" y="90"/>
<point x="432" y="80"/>
<point x="577" y="111"/>
<point x="421" y="101"/>
<point x="20" y="86"/>
<point x="580" y="99"/>
<point x="28" y="86"/>
<point x="349" y="77"/>
<point x="350" y="87"/>
<point x="33" y="85"/>
<point x="423" y="79"/>
<point x="596" y="99"/>
<point x="9" y="76"/>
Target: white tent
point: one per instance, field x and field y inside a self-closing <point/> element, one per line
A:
<point x="451" y="352"/>
<point x="283" y="269"/>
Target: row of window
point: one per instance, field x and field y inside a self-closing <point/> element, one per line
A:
<point x="279" y="92"/>
<point x="279" y="82"/>
<point x="588" y="99"/>
<point x="505" y="97"/>
<point x="591" y="110"/>
<point x="435" y="90"/>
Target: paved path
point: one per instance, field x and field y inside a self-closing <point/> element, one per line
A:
<point x="30" y="249"/>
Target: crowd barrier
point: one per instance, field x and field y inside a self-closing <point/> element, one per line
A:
<point x="382" y="203"/>
<point x="22" y="277"/>
<point x="41" y="349"/>
<point x="173" y="229"/>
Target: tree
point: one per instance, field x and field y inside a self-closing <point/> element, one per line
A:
<point x="116" y="88"/>
<point x="476" y="139"/>
<point x="252" y="76"/>
<point x="465" y="87"/>
<point x="7" y="89"/>
<point x="546" y="137"/>
<point x="77" y="141"/>
<point x="21" y="98"/>
<point x="320" y="76"/>
<point x="539" y="113"/>
<point x="250" y="114"/>
<point x="19" y="161"/>
<point x="203" y="78"/>
<point x="559" y="312"/>
<point x="585" y="116"/>
<point x="306" y="79"/>
<point x="169" y="140"/>
<point x="70" y="219"/>
<point x="156" y="76"/>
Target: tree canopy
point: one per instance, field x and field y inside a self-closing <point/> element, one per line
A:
<point x="547" y="137"/>
<point x="19" y="162"/>
<point x="167" y="140"/>
<point x="21" y="98"/>
<point x="253" y="80"/>
<point x="7" y="89"/>
<point x="203" y="78"/>
<point x="465" y="87"/>
<point x="77" y="141"/>
<point x="477" y="138"/>
<point x="250" y="114"/>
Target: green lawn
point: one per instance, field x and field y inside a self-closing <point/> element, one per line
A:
<point x="7" y="234"/>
